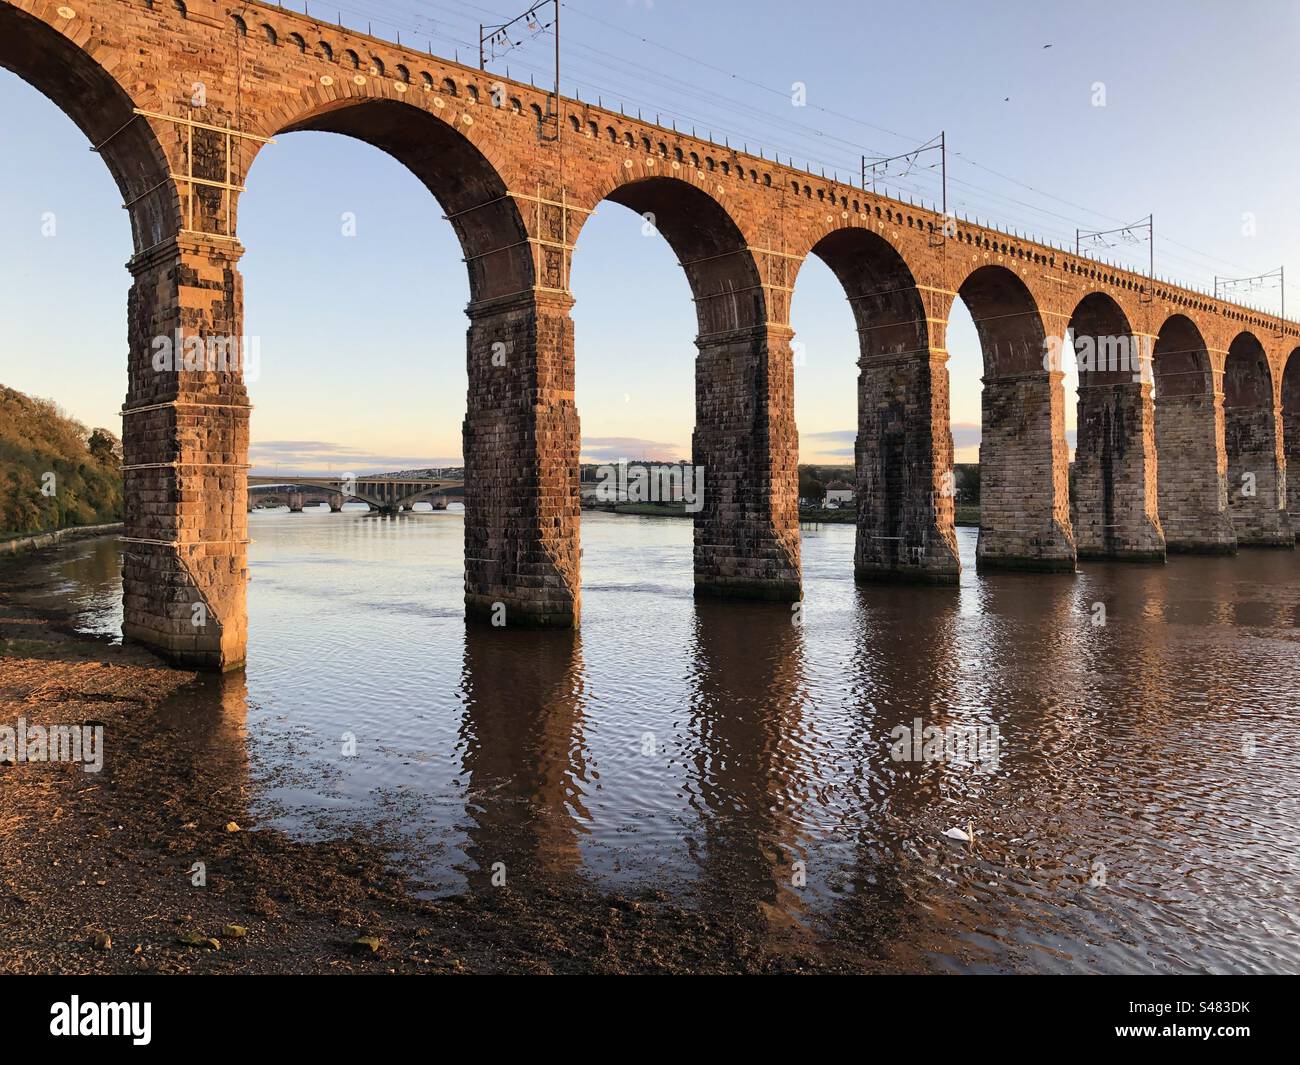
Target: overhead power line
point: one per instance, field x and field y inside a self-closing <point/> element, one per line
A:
<point x="452" y="25"/>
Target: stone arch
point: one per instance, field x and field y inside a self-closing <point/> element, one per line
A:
<point x="1247" y="376"/>
<point x="1024" y="461"/>
<point x="468" y="186"/>
<point x="1115" y="510"/>
<point x="1104" y="344"/>
<point x="709" y="244"/>
<point x="903" y="448"/>
<point x="1180" y="361"/>
<point x="1191" y="463"/>
<point x="1007" y="320"/>
<point x="887" y="305"/>
<point x="747" y="534"/>
<point x="181" y="286"/>
<point x="1291" y="433"/>
<point x="75" y="81"/>
<point x="520" y="434"/>
<point x="1256" y="485"/>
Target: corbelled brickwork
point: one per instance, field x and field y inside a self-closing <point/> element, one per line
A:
<point x="179" y="99"/>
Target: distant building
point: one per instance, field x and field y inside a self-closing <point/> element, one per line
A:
<point x="839" y="493"/>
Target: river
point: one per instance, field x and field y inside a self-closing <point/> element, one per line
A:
<point x="1131" y="803"/>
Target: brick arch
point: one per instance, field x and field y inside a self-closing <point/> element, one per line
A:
<point x="1115" y="508"/>
<point x="1256" y="483"/>
<point x="1192" y="467"/>
<point x="1291" y="384"/>
<point x="902" y="449"/>
<point x="1247" y="375"/>
<point x="709" y="244"/>
<point x="471" y="189"/>
<point x="1007" y="319"/>
<point x="887" y="305"/>
<point x="1291" y="432"/>
<point x="1024" y="461"/>
<point x="74" y="79"/>
<point x="1181" y="360"/>
<point x="747" y="534"/>
<point x="1100" y="325"/>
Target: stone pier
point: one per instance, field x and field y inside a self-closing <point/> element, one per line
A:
<point x="904" y="470"/>
<point x="1024" y="478"/>
<point x="521" y="441"/>
<point x="1115" y="512"/>
<point x="747" y="535"/>
<point x="1253" y="439"/>
<point x="185" y="460"/>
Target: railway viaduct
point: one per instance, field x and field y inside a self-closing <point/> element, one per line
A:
<point x="179" y="99"/>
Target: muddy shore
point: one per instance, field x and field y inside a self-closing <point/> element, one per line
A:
<point x="96" y="869"/>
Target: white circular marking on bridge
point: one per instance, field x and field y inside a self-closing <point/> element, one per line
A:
<point x="649" y="161"/>
<point x="627" y="163"/>
<point x="467" y="119"/>
<point x="439" y="102"/>
<point x="400" y="86"/>
<point x="360" y="79"/>
<point x="67" y="12"/>
<point x="326" y="80"/>
<point x="676" y="165"/>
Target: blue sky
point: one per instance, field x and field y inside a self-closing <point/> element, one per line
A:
<point x="362" y="338"/>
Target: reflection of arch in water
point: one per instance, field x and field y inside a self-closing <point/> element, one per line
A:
<point x="747" y="776"/>
<point x="523" y="755"/>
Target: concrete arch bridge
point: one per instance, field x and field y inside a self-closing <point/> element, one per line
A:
<point x="388" y="495"/>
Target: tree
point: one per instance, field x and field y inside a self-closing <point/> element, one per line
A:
<point x="810" y="487"/>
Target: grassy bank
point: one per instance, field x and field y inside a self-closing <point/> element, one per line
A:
<point x="54" y="472"/>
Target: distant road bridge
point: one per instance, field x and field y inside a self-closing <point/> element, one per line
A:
<point x="385" y="494"/>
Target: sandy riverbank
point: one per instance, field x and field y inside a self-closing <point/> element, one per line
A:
<point x="89" y="855"/>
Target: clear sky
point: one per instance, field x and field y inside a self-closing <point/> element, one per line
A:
<point x="363" y="338"/>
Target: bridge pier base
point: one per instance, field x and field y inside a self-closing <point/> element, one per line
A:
<point x="1024" y="474"/>
<point x="747" y="534"/>
<point x="905" y="480"/>
<point x="1255" y="477"/>
<point x="1191" y="474"/>
<point x="185" y="452"/>
<point x="1293" y="475"/>
<point x="521" y="444"/>
<point x="1115" y="513"/>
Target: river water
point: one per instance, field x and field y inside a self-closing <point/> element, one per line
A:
<point x="1132" y="805"/>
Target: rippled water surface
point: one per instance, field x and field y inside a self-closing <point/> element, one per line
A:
<point x="1141" y="814"/>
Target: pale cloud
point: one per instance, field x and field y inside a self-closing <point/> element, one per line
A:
<point x="272" y="457"/>
<point x="613" y="448"/>
<point x="834" y="444"/>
